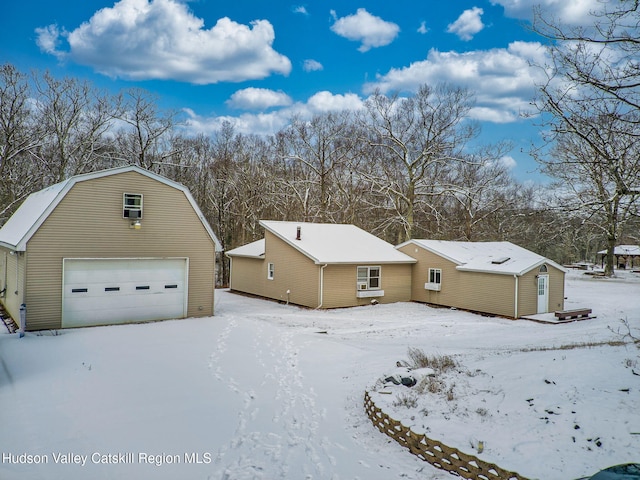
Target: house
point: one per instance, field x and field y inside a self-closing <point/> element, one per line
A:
<point x="497" y="278"/>
<point x="626" y="256"/>
<point x="321" y="266"/>
<point x="115" y="246"/>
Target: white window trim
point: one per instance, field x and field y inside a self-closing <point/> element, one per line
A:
<point x="363" y="287"/>
<point x="130" y="208"/>
<point x="434" y="286"/>
<point x="271" y="271"/>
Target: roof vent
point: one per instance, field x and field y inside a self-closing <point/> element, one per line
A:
<point x="299" y="233"/>
<point x="500" y="261"/>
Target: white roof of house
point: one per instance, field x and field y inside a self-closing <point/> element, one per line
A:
<point x="251" y="250"/>
<point x="490" y="257"/>
<point x="623" y="250"/>
<point x="17" y="231"/>
<point x="328" y="243"/>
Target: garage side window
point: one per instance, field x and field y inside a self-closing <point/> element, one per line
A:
<point x="271" y="271"/>
<point x="132" y="205"/>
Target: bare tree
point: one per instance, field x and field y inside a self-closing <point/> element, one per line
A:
<point x="592" y="99"/>
<point x="20" y="137"/>
<point x="143" y="138"/>
<point x="416" y="139"/>
<point x="321" y="148"/>
<point x="75" y="117"/>
<point x="478" y="189"/>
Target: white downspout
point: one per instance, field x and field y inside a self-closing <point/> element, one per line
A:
<point x="516" y="297"/>
<point x="322" y="285"/>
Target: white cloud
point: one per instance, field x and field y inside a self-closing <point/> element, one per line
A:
<point x="258" y="99"/>
<point x="301" y="9"/>
<point x="569" y="11"/>
<point x="310" y="65"/>
<point x="508" y="162"/>
<point x="326" y="101"/>
<point x="368" y="29"/>
<point x="162" y="39"/>
<point x="423" y="28"/>
<point x="271" y="122"/>
<point x="503" y="79"/>
<point x="468" y="24"/>
<point x="48" y="39"/>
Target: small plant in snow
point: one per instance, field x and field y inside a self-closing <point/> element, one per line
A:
<point x="406" y="400"/>
<point x="439" y="363"/>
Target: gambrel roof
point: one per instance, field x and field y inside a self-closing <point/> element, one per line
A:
<point x="17" y="231"/>
<point x="488" y="257"/>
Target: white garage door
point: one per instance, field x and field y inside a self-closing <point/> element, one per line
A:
<point x="108" y="291"/>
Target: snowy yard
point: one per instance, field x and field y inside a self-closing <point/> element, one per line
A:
<point x="269" y="391"/>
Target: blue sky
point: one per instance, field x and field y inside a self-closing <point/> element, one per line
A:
<point x="256" y="63"/>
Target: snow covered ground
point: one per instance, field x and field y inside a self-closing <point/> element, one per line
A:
<point x="269" y="391"/>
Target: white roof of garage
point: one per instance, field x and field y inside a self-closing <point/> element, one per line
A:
<point x="489" y="257"/>
<point x="330" y="243"/>
<point x="17" y="231"/>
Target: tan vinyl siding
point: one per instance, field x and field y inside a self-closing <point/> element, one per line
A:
<point x="293" y="272"/>
<point x="528" y="291"/>
<point x="479" y="292"/>
<point x="246" y="275"/>
<point x="298" y="274"/>
<point x="88" y="223"/>
<point x="340" y="284"/>
<point x="12" y="278"/>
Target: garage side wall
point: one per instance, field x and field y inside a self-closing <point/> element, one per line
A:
<point x="88" y="223"/>
<point x="12" y="281"/>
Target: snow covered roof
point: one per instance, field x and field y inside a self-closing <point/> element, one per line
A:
<point x="17" y="231"/>
<point x="489" y="257"/>
<point x="623" y="250"/>
<point x="251" y="250"/>
<point x="335" y="243"/>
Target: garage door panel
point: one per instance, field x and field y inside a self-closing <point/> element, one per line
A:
<point x="110" y="291"/>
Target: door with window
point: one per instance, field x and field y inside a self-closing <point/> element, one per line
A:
<point x="543" y="293"/>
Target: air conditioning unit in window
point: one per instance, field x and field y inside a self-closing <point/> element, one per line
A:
<point x="362" y="285"/>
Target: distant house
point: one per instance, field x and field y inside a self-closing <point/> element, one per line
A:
<point x="114" y="246"/>
<point x="321" y="266"/>
<point x="498" y="278"/>
<point x="626" y="256"/>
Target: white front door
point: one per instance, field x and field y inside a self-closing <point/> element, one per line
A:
<point x="108" y="291"/>
<point x="543" y="293"/>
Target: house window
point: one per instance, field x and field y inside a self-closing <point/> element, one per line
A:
<point x="132" y="205"/>
<point x="435" y="280"/>
<point x="543" y="269"/>
<point x="270" y="271"/>
<point x="435" y="275"/>
<point x="368" y="278"/>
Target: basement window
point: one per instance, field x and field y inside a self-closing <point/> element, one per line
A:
<point x="132" y="205"/>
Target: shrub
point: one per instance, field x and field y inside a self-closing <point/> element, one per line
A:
<point x="439" y="363"/>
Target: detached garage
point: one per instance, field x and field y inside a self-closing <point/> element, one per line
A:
<point x="116" y="246"/>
